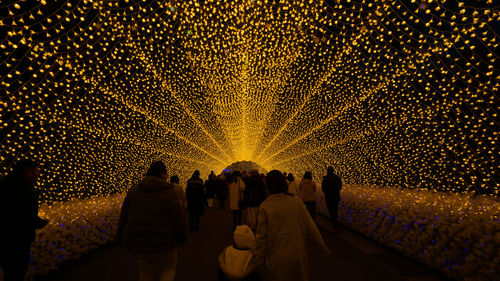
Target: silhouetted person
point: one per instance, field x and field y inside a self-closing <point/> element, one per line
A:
<point x="221" y="190"/>
<point x="210" y="189"/>
<point x="152" y="224"/>
<point x="195" y="197"/>
<point x="236" y="196"/>
<point x="19" y="219"/>
<point x="331" y="186"/>
<point x="307" y="189"/>
<point x="255" y="194"/>
<point x="285" y="231"/>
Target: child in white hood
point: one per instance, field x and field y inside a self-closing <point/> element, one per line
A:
<point x="236" y="261"/>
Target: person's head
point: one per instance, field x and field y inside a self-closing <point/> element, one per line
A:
<point x="244" y="238"/>
<point x="211" y="177"/>
<point x="157" y="169"/>
<point x="174" y="179"/>
<point x="26" y="169"/>
<point x="308" y="176"/>
<point x="196" y="174"/>
<point x="276" y="182"/>
<point x="329" y="170"/>
<point x="290" y="177"/>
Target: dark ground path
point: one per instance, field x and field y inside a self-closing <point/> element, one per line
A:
<point x="354" y="257"/>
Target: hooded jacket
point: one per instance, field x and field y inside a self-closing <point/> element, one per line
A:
<point x="308" y="190"/>
<point x="152" y="219"/>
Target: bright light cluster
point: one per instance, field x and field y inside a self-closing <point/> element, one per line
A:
<point x="458" y="234"/>
<point x="392" y="93"/>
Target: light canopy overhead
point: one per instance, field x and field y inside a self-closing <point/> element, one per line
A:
<point x="391" y="93"/>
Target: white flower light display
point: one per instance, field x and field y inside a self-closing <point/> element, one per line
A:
<point x="75" y="228"/>
<point x="457" y="234"/>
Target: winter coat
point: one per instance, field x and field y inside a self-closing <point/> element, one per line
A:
<point x="236" y="262"/>
<point x="331" y="186"/>
<point x="210" y="188"/>
<point x="18" y="212"/>
<point x="236" y="190"/>
<point x="152" y="219"/>
<point x="221" y="188"/>
<point x="181" y="193"/>
<point x="293" y="187"/>
<point x="307" y="188"/>
<point x="285" y="231"/>
<point x="195" y="196"/>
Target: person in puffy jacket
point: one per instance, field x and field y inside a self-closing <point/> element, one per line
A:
<point x="307" y="189"/>
<point x="236" y="261"/>
<point x="152" y="224"/>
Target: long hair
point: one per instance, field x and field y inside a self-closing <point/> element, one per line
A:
<point x="276" y="182"/>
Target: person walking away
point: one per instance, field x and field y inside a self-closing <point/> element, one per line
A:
<point x="285" y="231"/>
<point x="293" y="186"/>
<point x="307" y="188"/>
<point x="174" y="180"/>
<point x="221" y="190"/>
<point x="255" y="194"/>
<point x="236" y="261"/>
<point x="195" y="197"/>
<point x="210" y="189"/>
<point x="19" y="218"/>
<point x="331" y="186"/>
<point x="152" y="225"/>
<point x="236" y="196"/>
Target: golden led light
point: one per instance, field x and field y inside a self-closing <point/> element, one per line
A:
<point x="391" y="93"/>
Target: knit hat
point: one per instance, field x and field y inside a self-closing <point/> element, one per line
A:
<point x="244" y="237"/>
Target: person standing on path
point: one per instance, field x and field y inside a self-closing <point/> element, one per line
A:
<point x="19" y="219"/>
<point x="195" y="197"/>
<point x="152" y="224"/>
<point x="221" y="190"/>
<point x="255" y="194"/>
<point x="292" y="184"/>
<point x="331" y="186"/>
<point x="210" y="189"/>
<point x="174" y="180"/>
<point x="307" y="188"/>
<point x="236" y="196"/>
<point x="285" y="231"/>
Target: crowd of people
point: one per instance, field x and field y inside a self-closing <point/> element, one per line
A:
<point x="272" y="245"/>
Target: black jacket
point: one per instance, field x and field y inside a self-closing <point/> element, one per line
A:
<point x="195" y="196"/>
<point x="152" y="219"/>
<point x="18" y="211"/>
<point x="210" y="188"/>
<point x="331" y="186"/>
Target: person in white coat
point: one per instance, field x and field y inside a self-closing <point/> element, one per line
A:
<point x="285" y="231"/>
<point x="293" y="185"/>
<point x="236" y="196"/>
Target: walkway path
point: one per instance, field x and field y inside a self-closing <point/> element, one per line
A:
<point x="354" y="258"/>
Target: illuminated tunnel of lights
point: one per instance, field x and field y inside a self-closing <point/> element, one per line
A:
<point x="391" y="93"/>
